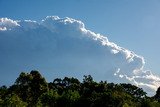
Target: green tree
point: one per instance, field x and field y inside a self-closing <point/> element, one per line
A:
<point x="71" y="83"/>
<point x="13" y="100"/>
<point x="68" y="98"/>
<point x="30" y="86"/>
<point x="31" y="90"/>
<point x="49" y="99"/>
<point x="3" y="91"/>
<point x="133" y="90"/>
<point x="157" y="96"/>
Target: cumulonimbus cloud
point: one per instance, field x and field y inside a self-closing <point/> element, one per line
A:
<point x="65" y="47"/>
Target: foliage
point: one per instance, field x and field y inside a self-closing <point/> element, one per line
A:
<point x="49" y="98"/>
<point x="13" y="101"/>
<point x="32" y="90"/>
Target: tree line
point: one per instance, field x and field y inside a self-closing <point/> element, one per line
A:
<point x="32" y="90"/>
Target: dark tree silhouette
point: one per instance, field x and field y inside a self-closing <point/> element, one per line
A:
<point x="32" y="90"/>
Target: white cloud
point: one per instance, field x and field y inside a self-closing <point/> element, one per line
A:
<point x="6" y="23"/>
<point x="3" y="28"/>
<point x="64" y="44"/>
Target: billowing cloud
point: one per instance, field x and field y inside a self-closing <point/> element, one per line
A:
<point x="64" y="47"/>
<point x="6" y="23"/>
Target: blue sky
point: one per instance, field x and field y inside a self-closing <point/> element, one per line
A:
<point x="133" y="24"/>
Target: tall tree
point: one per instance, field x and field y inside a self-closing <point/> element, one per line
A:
<point x="31" y="86"/>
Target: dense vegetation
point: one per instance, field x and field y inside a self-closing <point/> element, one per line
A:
<point x="32" y="90"/>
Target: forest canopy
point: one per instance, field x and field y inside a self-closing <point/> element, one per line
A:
<point x="32" y="90"/>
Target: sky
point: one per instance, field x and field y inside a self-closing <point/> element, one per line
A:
<point x="133" y="25"/>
